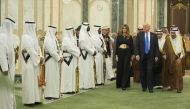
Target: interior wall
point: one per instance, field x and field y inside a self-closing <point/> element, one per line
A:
<point x="140" y="12"/>
<point x="100" y="12"/>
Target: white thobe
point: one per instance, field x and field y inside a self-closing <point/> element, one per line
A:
<point x="99" y="61"/>
<point x="86" y="69"/>
<point x="52" y="69"/>
<point x="7" y="98"/>
<point x="68" y="72"/>
<point x="30" y="71"/>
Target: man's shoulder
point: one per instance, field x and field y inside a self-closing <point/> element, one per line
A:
<point x="152" y="33"/>
<point x="140" y="33"/>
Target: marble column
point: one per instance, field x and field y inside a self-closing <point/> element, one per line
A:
<point x="114" y="15"/>
<point x="85" y="11"/>
<point x="121" y="12"/>
<point x="161" y="5"/>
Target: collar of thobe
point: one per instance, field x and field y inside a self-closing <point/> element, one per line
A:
<point x="178" y="38"/>
<point x="161" y="43"/>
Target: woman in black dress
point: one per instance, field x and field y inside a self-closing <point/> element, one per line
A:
<point x="124" y="52"/>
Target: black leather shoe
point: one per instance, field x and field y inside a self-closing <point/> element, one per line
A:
<point x="38" y="103"/>
<point x="151" y="91"/>
<point x="29" y="105"/>
<point x="123" y="88"/>
<point x="48" y="98"/>
<point x="112" y="79"/>
<point x="144" y="90"/>
<point x="178" y="91"/>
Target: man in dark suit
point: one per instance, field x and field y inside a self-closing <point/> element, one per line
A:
<point x="146" y="51"/>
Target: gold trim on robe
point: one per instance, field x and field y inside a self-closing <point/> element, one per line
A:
<point x="182" y="54"/>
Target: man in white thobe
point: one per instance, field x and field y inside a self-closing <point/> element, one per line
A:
<point x="86" y="61"/>
<point x="100" y="48"/>
<point x="70" y="53"/>
<point x="7" y="65"/>
<point x="52" y="62"/>
<point x="30" y="61"/>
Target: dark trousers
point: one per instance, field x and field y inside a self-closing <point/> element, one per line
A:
<point x="158" y="73"/>
<point x="146" y="72"/>
<point x="123" y="70"/>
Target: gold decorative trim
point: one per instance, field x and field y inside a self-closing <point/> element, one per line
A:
<point x="51" y="12"/>
<point x="180" y="6"/>
<point x="6" y="8"/>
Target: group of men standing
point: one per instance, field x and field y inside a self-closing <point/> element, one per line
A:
<point x="77" y="63"/>
<point x="160" y="59"/>
<point x="84" y="60"/>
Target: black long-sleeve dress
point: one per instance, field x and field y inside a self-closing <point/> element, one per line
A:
<point x="124" y="51"/>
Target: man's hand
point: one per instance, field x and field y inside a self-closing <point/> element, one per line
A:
<point x="138" y="58"/>
<point x="132" y="57"/>
<point x="5" y="73"/>
<point x="164" y="57"/>
<point x="116" y="58"/>
<point x="178" y="61"/>
<point x="61" y="60"/>
<point x="156" y="59"/>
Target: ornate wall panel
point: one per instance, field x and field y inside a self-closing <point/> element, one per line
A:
<point x="72" y="14"/>
<point x="100" y="12"/>
<point x="28" y="10"/>
<point x="178" y="14"/>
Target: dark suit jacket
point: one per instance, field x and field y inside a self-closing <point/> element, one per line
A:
<point x="140" y="45"/>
